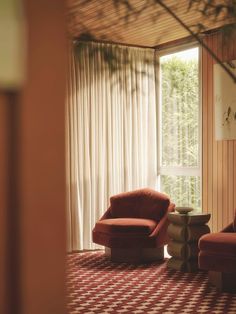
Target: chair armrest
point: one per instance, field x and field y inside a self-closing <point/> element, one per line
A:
<point x="160" y="232"/>
<point x="107" y="214"/>
<point x="228" y="228"/>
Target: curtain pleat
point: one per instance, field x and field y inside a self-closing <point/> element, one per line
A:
<point x="111" y="131"/>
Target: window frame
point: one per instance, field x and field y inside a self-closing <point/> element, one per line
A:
<point x="171" y="170"/>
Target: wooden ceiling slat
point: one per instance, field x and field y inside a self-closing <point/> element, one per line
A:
<point x="110" y="10"/>
<point x="96" y="21"/>
<point x="151" y="28"/>
<point x="103" y="20"/>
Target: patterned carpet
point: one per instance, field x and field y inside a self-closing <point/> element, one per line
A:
<point x="96" y="285"/>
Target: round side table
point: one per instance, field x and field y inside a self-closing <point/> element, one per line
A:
<point x="184" y="231"/>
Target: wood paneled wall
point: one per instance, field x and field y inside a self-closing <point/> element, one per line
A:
<point x="219" y="157"/>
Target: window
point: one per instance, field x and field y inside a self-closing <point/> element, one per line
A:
<point x="179" y="128"/>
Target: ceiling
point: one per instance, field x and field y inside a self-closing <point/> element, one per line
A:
<point x="135" y="22"/>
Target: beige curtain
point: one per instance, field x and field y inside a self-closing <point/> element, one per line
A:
<point x="111" y="142"/>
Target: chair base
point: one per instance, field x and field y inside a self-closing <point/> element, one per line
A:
<point x="134" y="255"/>
<point x="223" y="281"/>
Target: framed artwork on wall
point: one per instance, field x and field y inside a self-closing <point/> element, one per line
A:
<point x="225" y="102"/>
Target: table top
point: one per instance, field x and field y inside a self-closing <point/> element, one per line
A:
<point x="189" y="219"/>
<point x="190" y="214"/>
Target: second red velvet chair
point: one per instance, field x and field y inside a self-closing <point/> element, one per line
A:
<point x="134" y="227"/>
<point x="218" y="256"/>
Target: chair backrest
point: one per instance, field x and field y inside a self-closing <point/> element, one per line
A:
<point x="144" y="203"/>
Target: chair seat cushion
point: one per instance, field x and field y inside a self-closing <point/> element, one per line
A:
<point x="126" y="225"/>
<point x="219" y="244"/>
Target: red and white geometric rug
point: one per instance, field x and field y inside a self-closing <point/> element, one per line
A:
<point x="96" y="285"/>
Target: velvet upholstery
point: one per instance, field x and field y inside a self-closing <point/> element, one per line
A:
<point x="219" y="243"/>
<point x="144" y="203"/>
<point x="218" y="251"/>
<point x="126" y="225"/>
<point x="217" y="262"/>
<point x="136" y="219"/>
<point x="229" y="228"/>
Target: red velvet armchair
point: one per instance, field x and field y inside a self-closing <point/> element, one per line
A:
<point x="218" y="256"/>
<point x="134" y="227"/>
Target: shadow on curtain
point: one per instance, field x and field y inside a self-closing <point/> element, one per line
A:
<point x="111" y="131"/>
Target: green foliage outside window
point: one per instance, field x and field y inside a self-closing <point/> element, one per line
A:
<point x="183" y="190"/>
<point x="180" y="128"/>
